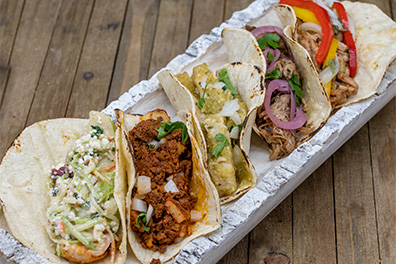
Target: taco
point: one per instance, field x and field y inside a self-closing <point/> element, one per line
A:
<point x="170" y="198"/>
<point x="350" y="44"/>
<point x="63" y="187"/>
<point x="223" y="108"/>
<point x="295" y="104"/>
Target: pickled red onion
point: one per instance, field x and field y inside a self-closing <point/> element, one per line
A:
<point x="276" y="53"/>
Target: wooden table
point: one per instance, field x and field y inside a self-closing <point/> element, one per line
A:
<point x="64" y="58"/>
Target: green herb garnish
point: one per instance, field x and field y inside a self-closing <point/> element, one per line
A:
<point x="142" y="218"/>
<point x="335" y="28"/>
<point x="97" y="131"/>
<point x="333" y="66"/>
<point x="75" y="195"/>
<point x="295" y="85"/>
<point x="271" y="40"/>
<point x="270" y="56"/>
<point x="223" y="143"/>
<point x="168" y="127"/>
<point x="273" y="75"/>
<point x="223" y="77"/>
<point x="151" y="146"/>
<point x="201" y="100"/>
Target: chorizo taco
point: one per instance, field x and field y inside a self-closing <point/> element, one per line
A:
<point x="170" y="198"/>
<point x="63" y="187"/>
<point x="223" y="108"/>
<point x="295" y="104"/>
<point x="350" y="44"/>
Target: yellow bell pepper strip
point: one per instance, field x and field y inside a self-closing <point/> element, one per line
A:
<point x="305" y="15"/>
<point x="348" y="38"/>
<point x="330" y="56"/>
<point x="323" y="17"/>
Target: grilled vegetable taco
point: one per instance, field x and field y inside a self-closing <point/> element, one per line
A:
<point x="350" y="44"/>
<point x="223" y="108"/>
<point x="170" y="199"/>
<point x="63" y="187"/>
<point x="295" y="104"/>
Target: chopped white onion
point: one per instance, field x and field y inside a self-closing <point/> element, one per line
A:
<point x="236" y="118"/>
<point x="139" y="205"/>
<point x="170" y="186"/>
<point x="333" y="16"/>
<point x="150" y="211"/>
<point x="229" y="108"/>
<point x="234" y="132"/>
<point x="203" y="82"/>
<point x="219" y="85"/>
<point x="195" y="215"/>
<point x="309" y="26"/>
<point x="155" y="143"/>
<point x="140" y="196"/>
<point x="327" y="74"/>
<point x="143" y="184"/>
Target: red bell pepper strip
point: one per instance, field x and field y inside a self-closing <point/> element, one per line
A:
<point x="348" y="38"/>
<point x="325" y="23"/>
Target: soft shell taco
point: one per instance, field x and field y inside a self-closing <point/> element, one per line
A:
<point x="223" y="108"/>
<point x="350" y="44"/>
<point x="295" y="104"/>
<point x="62" y="185"/>
<point x="170" y="199"/>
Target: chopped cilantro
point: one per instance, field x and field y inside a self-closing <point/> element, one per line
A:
<point x="55" y="191"/>
<point x="273" y="75"/>
<point x="75" y="195"/>
<point x="97" y="131"/>
<point x="295" y="85"/>
<point x="168" y="127"/>
<point x="142" y="218"/>
<point x="223" y="77"/>
<point x="201" y="100"/>
<point x="87" y="204"/>
<point x="96" y="215"/>
<point x="335" y="28"/>
<point x="332" y="66"/>
<point x="223" y="143"/>
<point x="270" y="56"/>
<point x="271" y="40"/>
<point x="151" y="146"/>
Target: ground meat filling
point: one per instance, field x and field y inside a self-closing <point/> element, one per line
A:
<point x="344" y="85"/>
<point x="171" y="217"/>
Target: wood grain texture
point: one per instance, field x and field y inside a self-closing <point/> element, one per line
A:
<point x="171" y="36"/>
<point x="28" y="55"/>
<point x="94" y="73"/>
<point x="354" y="202"/>
<point x="238" y="254"/>
<point x="272" y="239"/>
<point x="206" y="15"/>
<point x="313" y="219"/>
<point x="10" y="14"/>
<point x="61" y="62"/>
<point x="133" y="58"/>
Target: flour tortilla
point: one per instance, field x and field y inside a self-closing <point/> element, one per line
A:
<point x="248" y="81"/>
<point x="201" y="186"/>
<point x="24" y="174"/>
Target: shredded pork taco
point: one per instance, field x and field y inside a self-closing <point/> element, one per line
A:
<point x="63" y="187"/>
<point x="223" y="114"/>
<point x="170" y="198"/>
<point x="295" y="104"/>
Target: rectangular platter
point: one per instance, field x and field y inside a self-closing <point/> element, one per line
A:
<point x="276" y="179"/>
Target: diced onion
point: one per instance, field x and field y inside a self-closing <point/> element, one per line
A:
<point x="230" y="108"/>
<point x="195" y="215"/>
<point x="150" y="211"/>
<point x="234" y="132"/>
<point x="236" y="118"/>
<point x="309" y="26"/>
<point x="203" y="82"/>
<point x="155" y="143"/>
<point x="143" y="184"/>
<point x="219" y="85"/>
<point x="139" y="205"/>
<point x="327" y="74"/>
<point x="170" y="186"/>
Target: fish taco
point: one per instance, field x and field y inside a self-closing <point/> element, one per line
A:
<point x="170" y="198"/>
<point x="63" y="187"/>
<point x="295" y="104"/>
<point x="224" y="107"/>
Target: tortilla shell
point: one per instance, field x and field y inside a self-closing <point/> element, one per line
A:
<point x="24" y="173"/>
<point x="201" y="185"/>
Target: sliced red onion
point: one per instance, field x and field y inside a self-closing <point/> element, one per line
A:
<point x="229" y="108"/>
<point x="170" y="186"/>
<point x="150" y="211"/>
<point x="139" y="205"/>
<point x="297" y="120"/>
<point x="143" y="184"/>
<point x="309" y="26"/>
<point x="276" y="53"/>
<point x="258" y="32"/>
